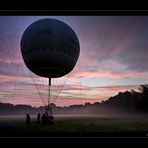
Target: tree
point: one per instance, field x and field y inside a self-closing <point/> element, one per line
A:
<point x="144" y="89"/>
<point x="144" y="92"/>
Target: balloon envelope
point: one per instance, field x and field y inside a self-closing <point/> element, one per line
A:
<point x="50" y="48"/>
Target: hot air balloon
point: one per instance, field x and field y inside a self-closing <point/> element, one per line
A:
<point x="50" y="49"/>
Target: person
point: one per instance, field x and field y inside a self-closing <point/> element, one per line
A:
<point x="50" y="111"/>
<point x="44" y="118"/>
<point x="38" y="118"/>
<point x="27" y="119"/>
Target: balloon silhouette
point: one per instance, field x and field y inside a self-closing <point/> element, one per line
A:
<point x="50" y="49"/>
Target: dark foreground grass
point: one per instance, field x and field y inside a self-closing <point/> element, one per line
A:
<point x="85" y="126"/>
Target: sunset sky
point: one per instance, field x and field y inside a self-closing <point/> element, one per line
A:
<point x="113" y="58"/>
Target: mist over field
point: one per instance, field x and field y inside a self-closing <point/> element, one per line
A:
<point x="128" y="103"/>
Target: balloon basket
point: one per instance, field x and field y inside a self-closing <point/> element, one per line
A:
<point x="47" y="119"/>
<point x="50" y="120"/>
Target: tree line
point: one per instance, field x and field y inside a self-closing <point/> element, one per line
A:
<point x="128" y="101"/>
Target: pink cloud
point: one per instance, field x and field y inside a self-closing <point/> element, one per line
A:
<point x="10" y="60"/>
<point x="75" y="86"/>
<point x="120" y="88"/>
<point x="5" y="78"/>
<point x="108" y="74"/>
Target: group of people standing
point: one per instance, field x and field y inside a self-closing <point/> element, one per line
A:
<point x="44" y="119"/>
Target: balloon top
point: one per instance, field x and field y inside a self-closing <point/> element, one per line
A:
<point x="50" y="48"/>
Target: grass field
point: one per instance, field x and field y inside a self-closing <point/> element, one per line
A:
<point x="77" y="125"/>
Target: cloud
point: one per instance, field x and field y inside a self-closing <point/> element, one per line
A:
<point x="108" y="74"/>
<point x="121" y="41"/>
<point x="119" y="88"/>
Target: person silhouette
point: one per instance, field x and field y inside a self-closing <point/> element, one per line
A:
<point x="44" y="118"/>
<point x="50" y="111"/>
<point x="38" y="118"/>
<point x="27" y="119"/>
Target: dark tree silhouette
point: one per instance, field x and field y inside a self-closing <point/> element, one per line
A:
<point x="144" y="96"/>
<point x="144" y="89"/>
